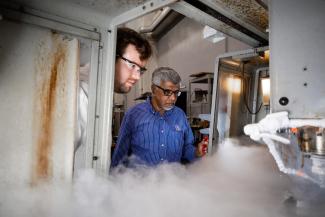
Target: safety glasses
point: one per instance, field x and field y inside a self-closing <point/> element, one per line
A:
<point x="168" y="92"/>
<point x="132" y="65"/>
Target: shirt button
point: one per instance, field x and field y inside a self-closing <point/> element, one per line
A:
<point x="162" y="159"/>
<point x="162" y="131"/>
<point x="162" y="145"/>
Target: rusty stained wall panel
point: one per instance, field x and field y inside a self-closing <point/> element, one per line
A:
<point x="247" y="10"/>
<point x="38" y="111"/>
<point x="56" y="66"/>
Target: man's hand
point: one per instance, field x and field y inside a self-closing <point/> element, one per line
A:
<point x="202" y="148"/>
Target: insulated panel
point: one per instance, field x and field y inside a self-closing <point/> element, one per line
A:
<point x="38" y="84"/>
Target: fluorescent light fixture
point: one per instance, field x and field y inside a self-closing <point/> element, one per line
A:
<point x="212" y="34"/>
<point x="266" y="86"/>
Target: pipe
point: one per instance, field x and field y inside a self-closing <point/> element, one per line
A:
<point x="158" y="18"/>
<point x="271" y="146"/>
<point x="294" y="123"/>
<point x="266" y="129"/>
<point x="275" y="137"/>
<point x="257" y="72"/>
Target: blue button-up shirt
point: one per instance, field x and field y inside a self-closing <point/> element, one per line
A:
<point x="154" y="138"/>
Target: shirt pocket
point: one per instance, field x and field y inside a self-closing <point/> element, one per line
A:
<point x="143" y="137"/>
<point x="177" y="141"/>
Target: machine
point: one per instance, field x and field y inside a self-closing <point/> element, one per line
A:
<point x="43" y="45"/>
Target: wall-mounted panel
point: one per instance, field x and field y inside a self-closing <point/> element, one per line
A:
<point x="297" y="51"/>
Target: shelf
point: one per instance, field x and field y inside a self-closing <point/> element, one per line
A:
<point x="200" y="107"/>
<point x="203" y="79"/>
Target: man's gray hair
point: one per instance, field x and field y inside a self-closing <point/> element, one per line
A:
<point x="163" y="74"/>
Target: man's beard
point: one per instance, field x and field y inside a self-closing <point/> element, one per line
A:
<point x="121" y="88"/>
<point x="168" y="108"/>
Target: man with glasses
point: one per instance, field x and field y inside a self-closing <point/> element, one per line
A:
<point x="157" y="131"/>
<point x="132" y="54"/>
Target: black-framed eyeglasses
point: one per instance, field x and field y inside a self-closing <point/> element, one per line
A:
<point x="132" y="65"/>
<point x="168" y="92"/>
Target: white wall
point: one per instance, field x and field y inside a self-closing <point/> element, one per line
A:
<point x="185" y="50"/>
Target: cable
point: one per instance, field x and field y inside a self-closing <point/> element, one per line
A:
<point x="245" y="92"/>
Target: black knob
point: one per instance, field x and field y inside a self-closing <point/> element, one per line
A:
<point x="283" y="101"/>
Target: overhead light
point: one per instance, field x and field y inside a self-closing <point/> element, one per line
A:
<point x="212" y="34"/>
<point x="234" y="84"/>
<point x="266" y="89"/>
<point x="267" y="54"/>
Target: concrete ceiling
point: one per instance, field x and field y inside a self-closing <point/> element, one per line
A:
<point x="248" y="17"/>
<point x="253" y="12"/>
